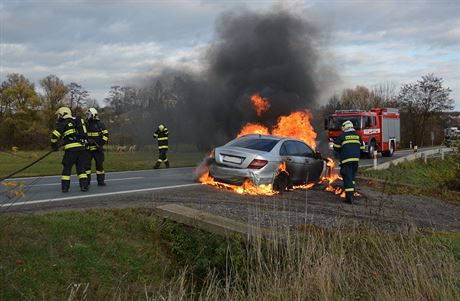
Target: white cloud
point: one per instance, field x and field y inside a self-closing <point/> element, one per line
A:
<point x="99" y="43"/>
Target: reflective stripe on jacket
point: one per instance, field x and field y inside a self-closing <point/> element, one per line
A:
<point x="97" y="132"/>
<point x="72" y="131"/>
<point x="162" y="137"/>
<point x="349" y="144"/>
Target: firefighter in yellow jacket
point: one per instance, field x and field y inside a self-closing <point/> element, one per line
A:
<point x="72" y="132"/>
<point x="161" y="134"/>
<point x="349" y="144"/>
<point x="98" y="135"/>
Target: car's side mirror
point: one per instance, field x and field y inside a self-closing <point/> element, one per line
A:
<point x="326" y="123"/>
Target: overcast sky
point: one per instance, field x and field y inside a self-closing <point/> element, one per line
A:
<point x="100" y="43"/>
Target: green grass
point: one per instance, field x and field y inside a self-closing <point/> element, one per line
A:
<point x="436" y="178"/>
<point x="42" y="255"/>
<point x="115" y="161"/>
<point x="130" y="254"/>
<point x="416" y="172"/>
<point x="59" y="249"/>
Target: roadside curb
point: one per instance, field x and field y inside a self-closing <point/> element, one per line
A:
<point x="212" y="223"/>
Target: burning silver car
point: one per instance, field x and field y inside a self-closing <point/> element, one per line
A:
<point x="259" y="157"/>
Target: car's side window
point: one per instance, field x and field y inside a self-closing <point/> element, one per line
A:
<point x="283" y="150"/>
<point x="288" y="149"/>
<point x="303" y="150"/>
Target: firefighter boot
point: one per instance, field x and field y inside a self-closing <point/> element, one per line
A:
<point x="157" y="165"/>
<point x="83" y="184"/>
<point x="65" y="184"/>
<point x="348" y="197"/>
<point x="100" y="179"/>
<point x="89" y="178"/>
<point x="167" y="164"/>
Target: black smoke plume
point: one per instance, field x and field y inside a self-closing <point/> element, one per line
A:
<point x="274" y="54"/>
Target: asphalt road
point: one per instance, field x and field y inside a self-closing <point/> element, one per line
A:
<point x="47" y="189"/>
<point x="40" y="190"/>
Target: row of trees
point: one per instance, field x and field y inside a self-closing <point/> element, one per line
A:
<point x="423" y="105"/>
<point x="131" y="113"/>
<point x="27" y="116"/>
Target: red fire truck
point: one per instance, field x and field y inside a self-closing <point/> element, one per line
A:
<point x="379" y="128"/>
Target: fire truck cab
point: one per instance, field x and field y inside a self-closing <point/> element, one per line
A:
<point x="379" y="128"/>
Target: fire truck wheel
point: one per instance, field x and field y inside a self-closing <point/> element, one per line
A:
<point x="370" y="155"/>
<point x="390" y="152"/>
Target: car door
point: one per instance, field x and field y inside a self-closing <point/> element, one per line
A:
<point x="311" y="167"/>
<point x="294" y="162"/>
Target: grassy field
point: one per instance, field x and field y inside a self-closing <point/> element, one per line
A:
<point x="436" y="178"/>
<point x="130" y="254"/>
<point x="115" y="161"/>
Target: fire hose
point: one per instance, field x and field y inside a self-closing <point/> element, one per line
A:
<point x="27" y="166"/>
<point x="38" y="160"/>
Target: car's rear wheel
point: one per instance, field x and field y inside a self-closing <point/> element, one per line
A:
<point x="282" y="182"/>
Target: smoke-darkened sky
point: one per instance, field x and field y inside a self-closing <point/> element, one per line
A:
<point x="276" y="54"/>
<point x="101" y="43"/>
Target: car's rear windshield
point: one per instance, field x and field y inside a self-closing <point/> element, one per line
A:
<point x="260" y="144"/>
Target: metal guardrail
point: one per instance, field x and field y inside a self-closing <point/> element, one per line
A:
<point x="416" y="155"/>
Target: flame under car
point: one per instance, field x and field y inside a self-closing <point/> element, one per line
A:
<point x="259" y="157"/>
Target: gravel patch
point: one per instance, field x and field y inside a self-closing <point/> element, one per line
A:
<point x="398" y="213"/>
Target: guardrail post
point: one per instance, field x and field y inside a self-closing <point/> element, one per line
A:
<point x="375" y="159"/>
<point x="425" y="157"/>
<point x="442" y="154"/>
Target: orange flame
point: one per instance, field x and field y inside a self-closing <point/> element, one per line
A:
<point x="282" y="168"/>
<point x="250" y="189"/>
<point x="305" y="186"/>
<point x="260" y="104"/>
<point x="247" y="188"/>
<point x="253" y="128"/>
<point x="330" y="176"/>
<point x="296" y="125"/>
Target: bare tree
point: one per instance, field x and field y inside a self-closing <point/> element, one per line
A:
<point x="78" y="95"/>
<point x="156" y="101"/>
<point x="360" y="98"/>
<point x="55" y="92"/>
<point x="332" y="105"/>
<point x="115" y="99"/>
<point x="387" y="93"/>
<point x="421" y="100"/>
<point x="92" y="103"/>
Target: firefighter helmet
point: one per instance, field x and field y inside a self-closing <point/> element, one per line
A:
<point x="63" y="112"/>
<point x="347" y="125"/>
<point x="91" y="113"/>
<point x="161" y="127"/>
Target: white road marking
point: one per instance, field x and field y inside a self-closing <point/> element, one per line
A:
<point x="108" y="173"/>
<point x="96" y="195"/>
<point x="108" y="180"/>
